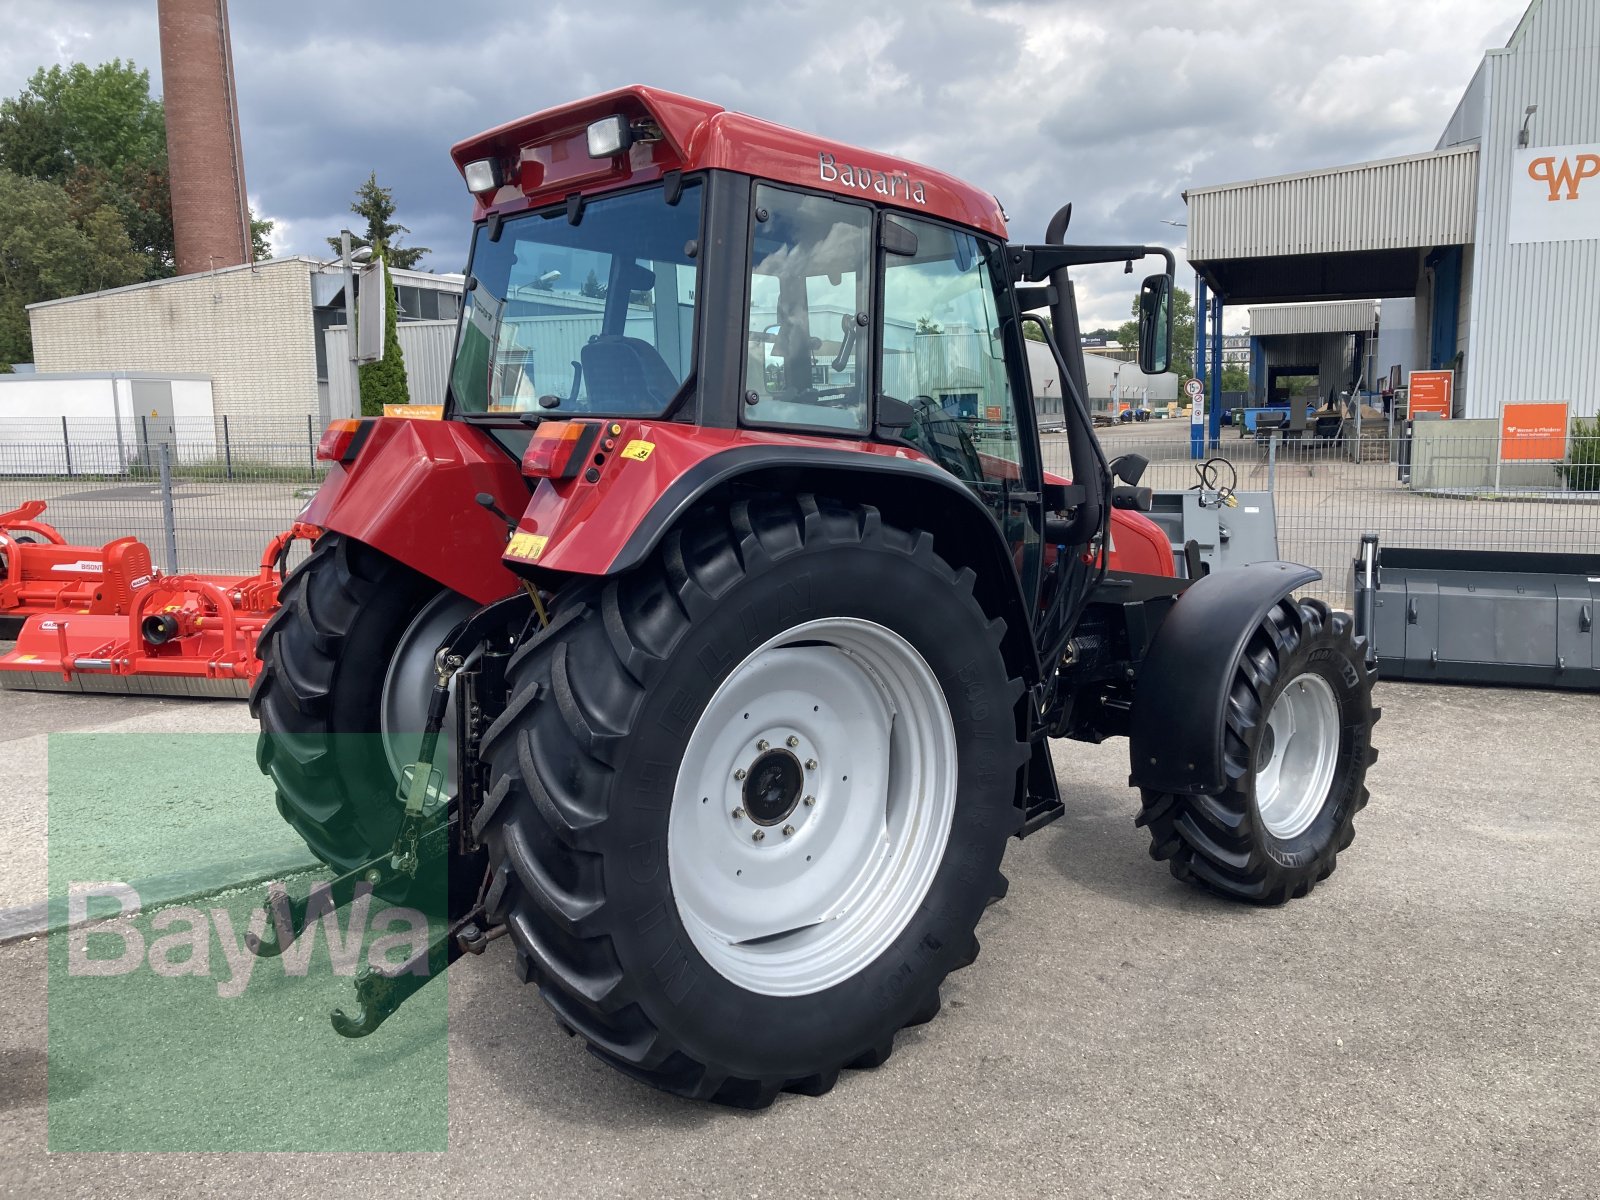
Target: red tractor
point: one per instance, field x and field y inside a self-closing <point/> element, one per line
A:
<point x="712" y="644"/>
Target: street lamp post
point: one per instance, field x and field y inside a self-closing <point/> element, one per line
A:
<point x="347" y="259"/>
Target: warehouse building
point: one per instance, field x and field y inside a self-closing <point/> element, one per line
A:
<point x="1484" y="250"/>
<point x="259" y="332"/>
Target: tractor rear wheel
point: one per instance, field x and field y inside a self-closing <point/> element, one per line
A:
<point x="750" y="800"/>
<point x="1296" y="749"/>
<point x="342" y="695"/>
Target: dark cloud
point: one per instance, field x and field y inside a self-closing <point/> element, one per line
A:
<point x="1116" y="107"/>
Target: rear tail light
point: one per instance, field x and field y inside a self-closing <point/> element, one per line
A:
<point x="558" y="449"/>
<point x="341" y="440"/>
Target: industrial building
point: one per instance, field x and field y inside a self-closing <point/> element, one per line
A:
<point x="259" y="332"/>
<point x="1482" y="251"/>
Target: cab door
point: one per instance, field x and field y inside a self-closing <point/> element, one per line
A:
<point x="951" y="349"/>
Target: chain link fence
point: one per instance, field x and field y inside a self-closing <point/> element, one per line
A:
<point x="207" y="500"/>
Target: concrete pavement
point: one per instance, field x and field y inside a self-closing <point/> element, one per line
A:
<point x="1425" y="1023"/>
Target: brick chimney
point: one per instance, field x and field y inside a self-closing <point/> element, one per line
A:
<point x="210" y="212"/>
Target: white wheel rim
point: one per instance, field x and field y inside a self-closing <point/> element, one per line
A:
<point x="829" y="884"/>
<point x="408" y="686"/>
<point x="1296" y="763"/>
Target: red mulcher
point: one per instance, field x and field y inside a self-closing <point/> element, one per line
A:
<point x="102" y="619"/>
<point x="736" y="561"/>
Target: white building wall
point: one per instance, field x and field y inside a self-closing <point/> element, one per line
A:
<point x="1535" y="307"/>
<point x="248" y="328"/>
<point x="427" y="347"/>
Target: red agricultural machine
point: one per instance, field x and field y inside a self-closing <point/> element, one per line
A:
<point x="102" y="619"/>
<point x="713" y="643"/>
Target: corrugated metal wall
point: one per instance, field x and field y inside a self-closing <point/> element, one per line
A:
<point x="1536" y="306"/>
<point x="1344" y="316"/>
<point x="1424" y="200"/>
<point x="427" y="347"/>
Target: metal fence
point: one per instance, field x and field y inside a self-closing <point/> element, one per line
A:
<point x="1454" y="494"/>
<point x="205" y="500"/>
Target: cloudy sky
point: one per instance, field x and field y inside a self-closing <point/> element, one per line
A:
<point x="1115" y="106"/>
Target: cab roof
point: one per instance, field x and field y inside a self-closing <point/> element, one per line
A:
<point x="544" y="158"/>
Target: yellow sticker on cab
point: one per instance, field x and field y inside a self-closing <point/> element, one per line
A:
<point x="638" y="450"/>
<point x="526" y="545"/>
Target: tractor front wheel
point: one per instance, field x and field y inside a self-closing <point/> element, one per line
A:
<point x="1296" y="746"/>
<point x="750" y="800"/>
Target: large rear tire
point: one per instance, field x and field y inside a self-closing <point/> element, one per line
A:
<point x="750" y="800"/>
<point x="1297" y="744"/>
<point x="328" y="670"/>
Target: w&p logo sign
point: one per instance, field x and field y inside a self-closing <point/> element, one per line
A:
<point x="1555" y="194"/>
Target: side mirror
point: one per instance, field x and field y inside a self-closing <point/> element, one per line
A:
<point x="1155" y="325"/>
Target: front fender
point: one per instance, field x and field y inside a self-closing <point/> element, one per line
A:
<point x="410" y="492"/>
<point x="1179" y="702"/>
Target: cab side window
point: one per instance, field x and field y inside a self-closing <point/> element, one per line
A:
<point x="944" y="355"/>
<point x="808" y="334"/>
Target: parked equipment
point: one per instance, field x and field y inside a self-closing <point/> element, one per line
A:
<point x="102" y="620"/>
<point x="1482" y="616"/>
<point x="714" y="641"/>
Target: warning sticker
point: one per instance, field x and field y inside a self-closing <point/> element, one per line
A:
<point x="526" y="545"/>
<point x="637" y="450"/>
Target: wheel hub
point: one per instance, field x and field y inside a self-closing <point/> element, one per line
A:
<point x="1297" y="756"/>
<point x="812" y="806"/>
<point x="772" y="787"/>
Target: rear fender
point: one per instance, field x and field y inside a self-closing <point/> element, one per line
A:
<point x="410" y="493"/>
<point x="1179" y="702"/>
<point x="646" y="476"/>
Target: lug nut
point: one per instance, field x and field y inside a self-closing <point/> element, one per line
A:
<point x="811" y="764"/>
<point x="809" y="801"/>
<point x="788" y="831"/>
<point x="759" y="835"/>
<point x="738" y="814"/>
<point x="763" y="745"/>
<point x="374" y="875"/>
<point x="739" y="774"/>
<point x="792" y="741"/>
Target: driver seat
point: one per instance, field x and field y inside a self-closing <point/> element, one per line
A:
<point x="626" y="374"/>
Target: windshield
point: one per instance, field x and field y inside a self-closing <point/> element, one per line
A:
<point x="593" y="318"/>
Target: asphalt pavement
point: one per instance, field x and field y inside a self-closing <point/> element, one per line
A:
<point x="1427" y="1023"/>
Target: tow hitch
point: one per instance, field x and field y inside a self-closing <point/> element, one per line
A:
<point x="433" y="827"/>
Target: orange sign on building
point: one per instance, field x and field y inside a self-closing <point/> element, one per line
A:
<point x="1432" y="392"/>
<point x="1533" y="432"/>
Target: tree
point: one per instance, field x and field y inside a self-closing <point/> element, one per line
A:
<point x="374" y="204"/>
<point x="384" y="382"/>
<point x="97" y="132"/>
<point x="260" y="231"/>
<point x="1031" y="330"/>
<point x="592" y="287"/>
<point x="43" y="256"/>
<point x="1235" y="379"/>
<point x="1182" y="364"/>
